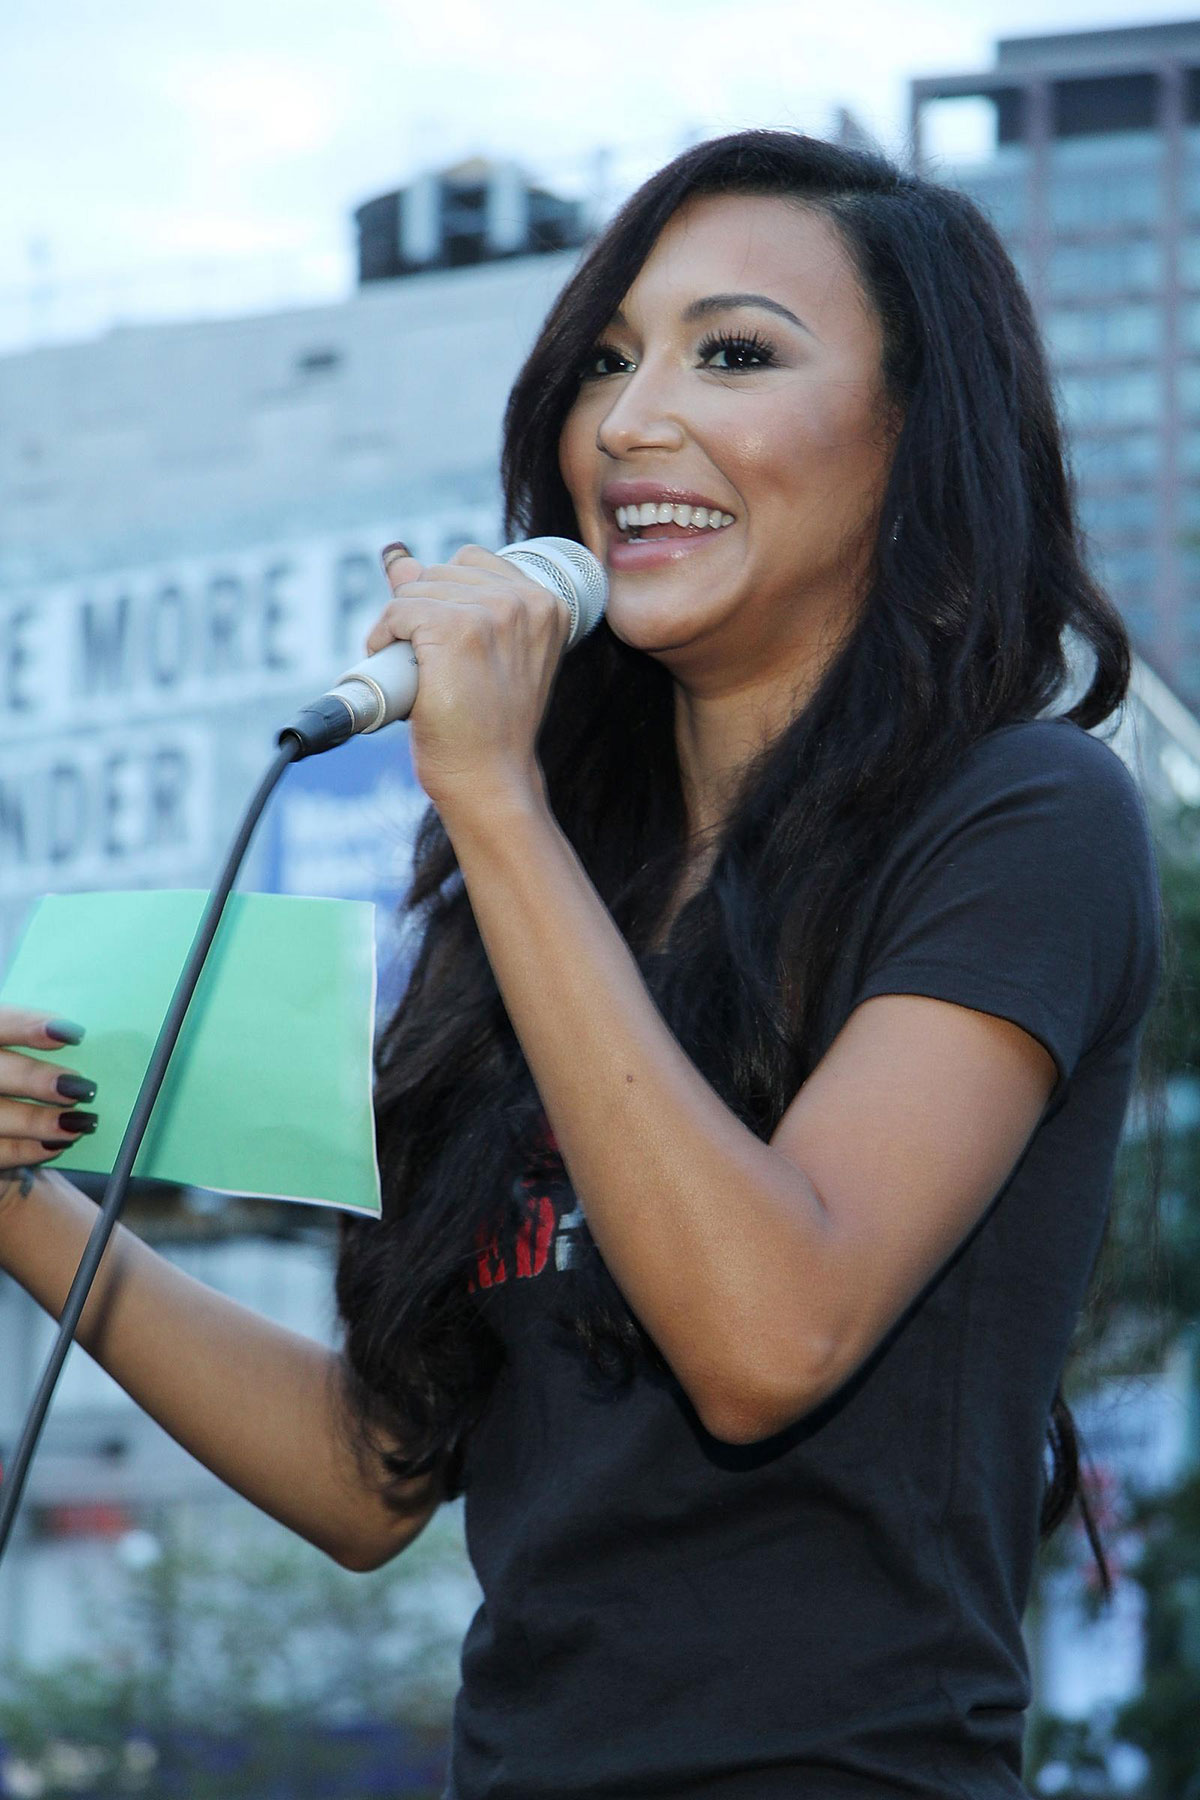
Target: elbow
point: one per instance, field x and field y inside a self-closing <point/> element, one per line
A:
<point x="363" y="1557"/>
<point x="359" y="1559"/>
<point x="768" y="1397"/>
<point x="362" y="1552"/>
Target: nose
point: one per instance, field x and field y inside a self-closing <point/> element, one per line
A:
<point x="643" y="416"/>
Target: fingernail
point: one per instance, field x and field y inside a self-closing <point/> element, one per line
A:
<point x="392" y="553"/>
<point x="64" y="1031"/>
<point x="57" y="1143"/>
<point x="75" y="1087"/>
<point x="77" y="1121"/>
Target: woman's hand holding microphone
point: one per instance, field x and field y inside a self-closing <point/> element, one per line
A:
<point x="487" y="640"/>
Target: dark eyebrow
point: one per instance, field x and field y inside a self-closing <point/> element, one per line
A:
<point x="713" y="303"/>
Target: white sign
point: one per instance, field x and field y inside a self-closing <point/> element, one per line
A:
<point x="148" y="643"/>
<point x="108" y="810"/>
<point x="112" y="690"/>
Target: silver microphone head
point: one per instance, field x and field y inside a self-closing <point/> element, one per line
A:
<point x="568" y="570"/>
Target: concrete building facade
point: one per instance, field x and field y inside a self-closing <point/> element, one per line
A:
<point x="192" y="515"/>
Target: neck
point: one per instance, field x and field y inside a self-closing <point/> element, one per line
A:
<point x="732" y="701"/>
<point x="718" y="735"/>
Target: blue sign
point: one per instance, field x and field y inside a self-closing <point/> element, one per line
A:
<point x="342" y="824"/>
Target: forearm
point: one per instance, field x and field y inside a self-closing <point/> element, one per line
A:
<point x="256" y="1403"/>
<point x="703" y="1226"/>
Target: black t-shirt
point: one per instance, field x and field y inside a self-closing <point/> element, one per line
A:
<point x="837" y="1611"/>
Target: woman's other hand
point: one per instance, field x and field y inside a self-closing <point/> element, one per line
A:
<point x="487" y="642"/>
<point x="39" y="1101"/>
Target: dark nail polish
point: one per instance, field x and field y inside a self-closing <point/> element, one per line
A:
<point x="57" y="1143"/>
<point x="77" y="1121"/>
<point x="75" y="1087"/>
<point x="64" y="1031"/>
<point x="391" y="552"/>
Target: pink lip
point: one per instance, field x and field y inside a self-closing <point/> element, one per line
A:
<point x="653" y="553"/>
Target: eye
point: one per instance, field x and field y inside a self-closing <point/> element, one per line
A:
<point x="603" y="359"/>
<point x="740" y="351"/>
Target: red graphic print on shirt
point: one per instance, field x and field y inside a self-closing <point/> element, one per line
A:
<point x="543" y="1224"/>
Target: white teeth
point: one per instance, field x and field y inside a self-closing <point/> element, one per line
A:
<point x="663" y="512"/>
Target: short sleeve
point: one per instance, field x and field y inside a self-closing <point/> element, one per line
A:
<point x="1027" y="888"/>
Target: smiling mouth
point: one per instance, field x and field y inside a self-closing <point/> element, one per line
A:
<point x="661" y="519"/>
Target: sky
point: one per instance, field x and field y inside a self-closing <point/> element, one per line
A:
<point x="167" y="157"/>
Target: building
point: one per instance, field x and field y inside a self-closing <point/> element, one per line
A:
<point x="192" y="519"/>
<point x="1092" y="175"/>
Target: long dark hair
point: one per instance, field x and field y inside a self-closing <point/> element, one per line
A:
<point x="977" y="575"/>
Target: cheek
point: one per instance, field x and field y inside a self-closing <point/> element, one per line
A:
<point x="830" y="456"/>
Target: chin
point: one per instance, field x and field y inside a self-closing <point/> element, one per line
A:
<point x="657" y="633"/>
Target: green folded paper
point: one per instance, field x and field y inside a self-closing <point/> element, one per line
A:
<point x="269" y="1089"/>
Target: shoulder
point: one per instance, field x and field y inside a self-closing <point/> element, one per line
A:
<point x="1026" y="884"/>
<point x="1051" y="756"/>
<point x="1046" y="784"/>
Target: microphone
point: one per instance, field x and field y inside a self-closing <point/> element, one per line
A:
<point x="383" y="687"/>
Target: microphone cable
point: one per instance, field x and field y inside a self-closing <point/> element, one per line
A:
<point x="15" y="1476"/>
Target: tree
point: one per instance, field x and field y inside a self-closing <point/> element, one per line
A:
<point x="1147" y="1302"/>
<point x="245" y="1663"/>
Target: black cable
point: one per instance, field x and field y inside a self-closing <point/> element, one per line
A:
<point x="118" y="1182"/>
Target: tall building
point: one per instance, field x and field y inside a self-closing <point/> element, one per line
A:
<point x="1093" y="178"/>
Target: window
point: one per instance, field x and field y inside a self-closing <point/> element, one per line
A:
<point x="1124" y="458"/>
<point x="1001" y="194"/>
<point x="1128" y="268"/>
<point x="1101" y="107"/>
<point x="1129" y="573"/>
<point x="1110" y="179"/>
<point x="1130" y="398"/>
<point x="1104" y="332"/>
<point x="1189" y="325"/>
<point x="1094" y="202"/>
<point x="1191" y="169"/>
<point x="1122" y="512"/>
<point x="1140" y="620"/>
<point x="1102" y="152"/>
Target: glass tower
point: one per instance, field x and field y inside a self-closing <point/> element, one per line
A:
<point x="1091" y="172"/>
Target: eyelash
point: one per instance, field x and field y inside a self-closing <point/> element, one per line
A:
<point x="748" y="343"/>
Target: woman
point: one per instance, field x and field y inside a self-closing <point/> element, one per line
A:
<point x="748" y="1123"/>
